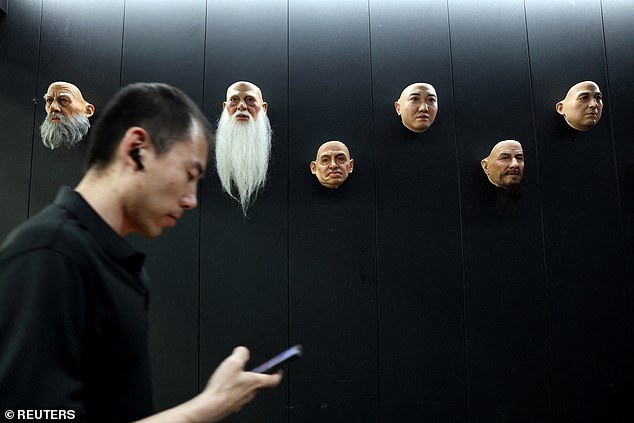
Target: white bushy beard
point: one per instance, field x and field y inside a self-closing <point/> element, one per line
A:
<point x="68" y="131"/>
<point x="242" y="155"/>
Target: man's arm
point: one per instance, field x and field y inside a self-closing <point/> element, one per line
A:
<point x="228" y="389"/>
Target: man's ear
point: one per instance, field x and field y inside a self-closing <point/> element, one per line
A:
<point x="265" y="106"/>
<point x="135" y="138"/>
<point x="351" y="165"/>
<point x="90" y="110"/>
<point x="560" y="107"/>
<point x="485" y="165"/>
<point x="313" y="167"/>
<point x="397" y="106"/>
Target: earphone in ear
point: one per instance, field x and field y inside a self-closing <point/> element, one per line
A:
<point x="134" y="153"/>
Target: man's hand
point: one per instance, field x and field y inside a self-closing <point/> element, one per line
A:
<point x="228" y="389"/>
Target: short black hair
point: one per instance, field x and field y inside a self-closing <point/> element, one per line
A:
<point x="167" y="113"/>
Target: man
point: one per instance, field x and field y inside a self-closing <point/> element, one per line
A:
<point x="504" y="166"/>
<point x="243" y="143"/>
<point x="67" y="116"/>
<point x="582" y="106"/>
<point x="332" y="164"/>
<point x="73" y="293"/>
<point x="417" y="106"/>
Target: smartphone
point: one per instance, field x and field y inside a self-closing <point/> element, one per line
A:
<point x="269" y="366"/>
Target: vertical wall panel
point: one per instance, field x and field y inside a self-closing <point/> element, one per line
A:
<point x="505" y="305"/>
<point x="421" y="328"/>
<point x="81" y="44"/>
<point x="332" y="231"/>
<point x="170" y="50"/>
<point x="591" y="342"/>
<point x="618" y="17"/>
<point x="19" y="39"/>
<point x="244" y="261"/>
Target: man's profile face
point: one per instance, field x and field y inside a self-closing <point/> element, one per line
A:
<point x="417" y="106"/>
<point x="167" y="185"/>
<point x="505" y="165"/>
<point x="244" y="99"/>
<point x="332" y="164"/>
<point x="582" y="106"/>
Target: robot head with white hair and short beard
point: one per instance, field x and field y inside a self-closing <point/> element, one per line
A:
<point x="67" y="116"/>
<point x="243" y="143"/>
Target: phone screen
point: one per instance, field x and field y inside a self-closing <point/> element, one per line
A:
<point x="274" y="363"/>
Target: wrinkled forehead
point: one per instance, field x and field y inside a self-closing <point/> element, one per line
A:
<point x="508" y="147"/>
<point x="583" y="87"/>
<point x="245" y="88"/>
<point x="58" y="89"/>
<point x="421" y="88"/>
<point x="332" y="147"/>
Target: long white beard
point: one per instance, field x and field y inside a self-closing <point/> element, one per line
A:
<point x="68" y="131"/>
<point x="242" y="155"/>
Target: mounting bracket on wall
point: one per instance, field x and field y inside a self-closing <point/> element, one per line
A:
<point x="4" y="6"/>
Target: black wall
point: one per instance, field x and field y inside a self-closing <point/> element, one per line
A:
<point x="415" y="297"/>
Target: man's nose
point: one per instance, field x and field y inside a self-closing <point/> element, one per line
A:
<point x="189" y="201"/>
<point x="514" y="162"/>
<point x="242" y="105"/>
<point x="594" y="104"/>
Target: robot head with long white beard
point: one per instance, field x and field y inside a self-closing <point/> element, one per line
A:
<point x="243" y="143"/>
<point x="67" y="115"/>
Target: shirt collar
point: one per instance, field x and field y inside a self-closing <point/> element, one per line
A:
<point x="115" y="246"/>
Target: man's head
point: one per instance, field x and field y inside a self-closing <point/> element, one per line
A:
<point x="332" y="164"/>
<point x="243" y="142"/>
<point x="417" y="106"/>
<point x="67" y="115"/>
<point x="505" y="165"/>
<point x="150" y="149"/>
<point x="582" y="106"/>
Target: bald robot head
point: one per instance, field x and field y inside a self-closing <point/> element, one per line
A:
<point x="332" y="164"/>
<point x="582" y="107"/>
<point x="504" y="166"/>
<point x="67" y="115"/>
<point x="243" y="99"/>
<point x="417" y="106"/>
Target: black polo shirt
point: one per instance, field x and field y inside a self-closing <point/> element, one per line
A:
<point x="73" y="317"/>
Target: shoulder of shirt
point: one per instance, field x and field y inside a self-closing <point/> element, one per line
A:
<point x="54" y="229"/>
